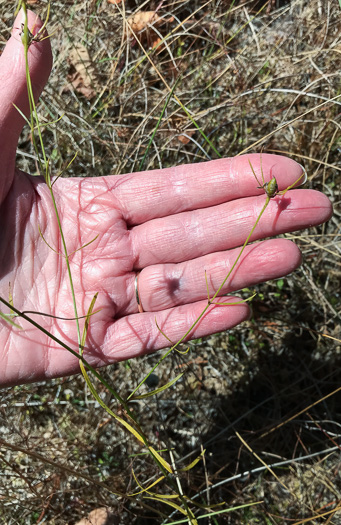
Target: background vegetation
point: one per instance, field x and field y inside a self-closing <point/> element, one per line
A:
<point x="246" y="70"/>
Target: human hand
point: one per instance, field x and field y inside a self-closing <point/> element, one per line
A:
<point x="170" y="225"/>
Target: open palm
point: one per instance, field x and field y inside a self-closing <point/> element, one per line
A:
<point x="170" y="225"/>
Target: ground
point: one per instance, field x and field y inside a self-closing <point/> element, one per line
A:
<point x="254" y="76"/>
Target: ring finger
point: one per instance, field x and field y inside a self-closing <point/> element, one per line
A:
<point x="163" y="286"/>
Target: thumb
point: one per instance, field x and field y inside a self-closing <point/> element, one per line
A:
<point x="13" y="90"/>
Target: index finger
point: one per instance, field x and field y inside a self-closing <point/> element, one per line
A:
<point x="159" y="193"/>
<point x="13" y="91"/>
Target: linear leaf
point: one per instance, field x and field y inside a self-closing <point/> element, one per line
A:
<point x="87" y="320"/>
<point x="191" y="465"/>
<point x="170" y="503"/>
<point x="103" y="405"/>
<point x="158" y="390"/>
<point x="47" y="244"/>
<point x="84" y="245"/>
<point x="161" y="460"/>
<point x="6" y="317"/>
<point x="144" y="489"/>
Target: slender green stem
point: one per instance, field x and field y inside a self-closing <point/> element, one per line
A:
<point x="209" y="303"/>
<point x="68" y="270"/>
<point x="243" y="248"/>
<point x="63" y="345"/>
<point x="89" y="367"/>
<point x="106" y="384"/>
<point x="45" y="162"/>
<point x="44" y="167"/>
<point x="150" y="372"/>
<point x="27" y="41"/>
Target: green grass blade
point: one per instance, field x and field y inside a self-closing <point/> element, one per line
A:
<point x="87" y="321"/>
<point x="7" y="318"/>
<point x="84" y="245"/>
<point x="161" y="389"/>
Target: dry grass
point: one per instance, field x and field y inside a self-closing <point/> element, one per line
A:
<point x="245" y="77"/>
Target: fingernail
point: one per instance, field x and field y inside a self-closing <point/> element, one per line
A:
<point x="304" y="178"/>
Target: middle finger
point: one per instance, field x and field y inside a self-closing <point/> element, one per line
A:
<point x="189" y="235"/>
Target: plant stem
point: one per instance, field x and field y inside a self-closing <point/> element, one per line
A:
<point x="210" y="301"/>
<point x="45" y="162"/>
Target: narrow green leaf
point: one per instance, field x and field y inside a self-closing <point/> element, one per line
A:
<point x="143" y="489"/>
<point x="10" y="296"/>
<point x="162" y="333"/>
<point x="254" y="174"/>
<point x="22" y="114"/>
<point x="160" y="389"/>
<point x="191" y="465"/>
<point x="162" y="461"/>
<point x="170" y="503"/>
<point x="65" y="169"/>
<point x="87" y="321"/>
<point x="84" y="245"/>
<point x="7" y="318"/>
<point x="47" y="244"/>
<point x="182" y="352"/>
<point x="248" y="299"/>
<point x="215" y="513"/>
<point x="106" y="408"/>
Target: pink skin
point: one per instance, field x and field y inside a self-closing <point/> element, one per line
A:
<point x="170" y="224"/>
